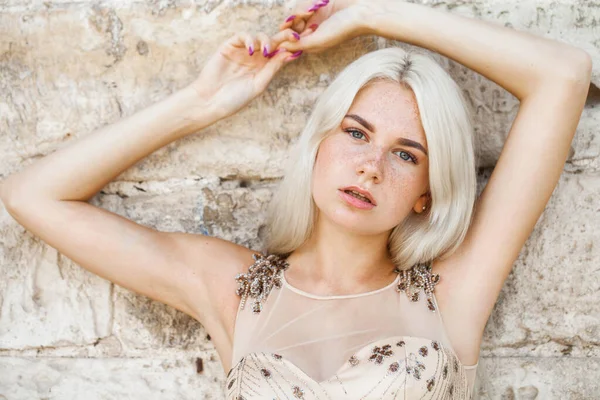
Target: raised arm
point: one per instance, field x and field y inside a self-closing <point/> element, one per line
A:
<point x="551" y="79"/>
<point x="49" y="197"/>
<point x="522" y="63"/>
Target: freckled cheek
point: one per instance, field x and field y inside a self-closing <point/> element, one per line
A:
<point x="400" y="190"/>
<point x="333" y="155"/>
<point x="324" y="171"/>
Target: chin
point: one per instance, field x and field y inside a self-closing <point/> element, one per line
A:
<point x="355" y="221"/>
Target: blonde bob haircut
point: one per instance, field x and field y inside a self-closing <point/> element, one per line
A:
<point x="420" y="237"/>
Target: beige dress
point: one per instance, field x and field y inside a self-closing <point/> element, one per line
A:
<point x="389" y="343"/>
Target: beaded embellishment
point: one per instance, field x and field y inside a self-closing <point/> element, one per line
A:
<point x="416" y="278"/>
<point x="265" y="274"/>
<point x="261" y="277"/>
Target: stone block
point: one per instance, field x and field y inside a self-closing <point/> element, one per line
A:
<point x="548" y="306"/>
<point x="148" y="378"/>
<point x="529" y="378"/>
<point x="45" y="299"/>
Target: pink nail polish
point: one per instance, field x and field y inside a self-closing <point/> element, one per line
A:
<point x="275" y="52"/>
<point x="296" y="54"/>
<point x="313" y="8"/>
<point x="251" y="50"/>
<point x="291" y="17"/>
<point x="296" y="35"/>
<point x="265" y="50"/>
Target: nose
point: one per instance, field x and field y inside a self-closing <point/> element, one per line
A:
<point x="372" y="168"/>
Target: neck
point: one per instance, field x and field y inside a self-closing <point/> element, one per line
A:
<point x="336" y="261"/>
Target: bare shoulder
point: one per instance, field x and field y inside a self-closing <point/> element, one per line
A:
<point x="213" y="263"/>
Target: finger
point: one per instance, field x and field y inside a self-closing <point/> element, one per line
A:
<point x="287" y="23"/>
<point x="243" y="40"/>
<point x="293" y="56"/>
<point x="307" y="9"/>
<point x="310" y="29"/>
<point x="288" y="35"/>
<point x="324" y="37"/>
<point x="298" y="20"/>
<point x="265" y="43"/>
<point x="288" y="39"/>
<point x="265" y="75"/>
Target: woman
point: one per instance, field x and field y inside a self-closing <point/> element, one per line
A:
<point x="327" y="319"/>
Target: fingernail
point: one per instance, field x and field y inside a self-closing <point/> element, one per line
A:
<point x="296" y="54"/>
<point x="313" y="8"/>
<point x="251" y="50"/>
<point x="265" y="50"/>
<point x="314" y="27"/>
<point x="291" y="17"/>
<point x="296" y="35"/>
<point x="275" y="52"/>
<point x="322" y="4"/>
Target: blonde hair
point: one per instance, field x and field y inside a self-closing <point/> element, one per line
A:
<point x="419" y="238"/>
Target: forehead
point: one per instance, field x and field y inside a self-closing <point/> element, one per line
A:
<point x="391" y="108"/>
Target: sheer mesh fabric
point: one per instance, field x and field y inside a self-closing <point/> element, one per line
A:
<point x="319" y="334"/>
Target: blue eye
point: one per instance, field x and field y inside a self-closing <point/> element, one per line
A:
<point x="411" y="158"/>
<point x="352" y="131"/>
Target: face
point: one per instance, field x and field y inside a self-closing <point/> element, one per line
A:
<point x="366" y="151"/>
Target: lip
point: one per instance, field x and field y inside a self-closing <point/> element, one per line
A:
<point x="354" y="202"/>
<point x="364" y="192"/>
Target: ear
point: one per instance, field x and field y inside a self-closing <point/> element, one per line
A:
<point x="423" y="201"/>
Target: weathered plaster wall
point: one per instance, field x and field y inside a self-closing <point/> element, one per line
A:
<point x="69" y="67"/>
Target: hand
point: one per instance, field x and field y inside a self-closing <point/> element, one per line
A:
<point x="328" y="23"/>
<point x="233" y="76"/>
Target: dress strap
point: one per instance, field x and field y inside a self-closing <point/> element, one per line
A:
<point x="261" y="278"/>
<point x="418" y="277"/>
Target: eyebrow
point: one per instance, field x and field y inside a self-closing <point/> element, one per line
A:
<point x="401" y="141"/>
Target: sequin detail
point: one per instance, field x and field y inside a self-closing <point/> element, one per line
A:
<point x="430" y="383"/>
<point x="261" y="277"/>
<point x="415" y="369"/>
<point x="416" y="278"/>
<point x="285" y="381"/>
<point x="298" y="393"/>
<point x="379" y="353"/>
<point x="265" y="372"/>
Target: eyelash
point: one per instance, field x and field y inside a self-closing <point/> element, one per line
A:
<point x="350" y="131"/>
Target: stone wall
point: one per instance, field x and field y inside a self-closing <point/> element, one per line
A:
<point x="70" y="67"/>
